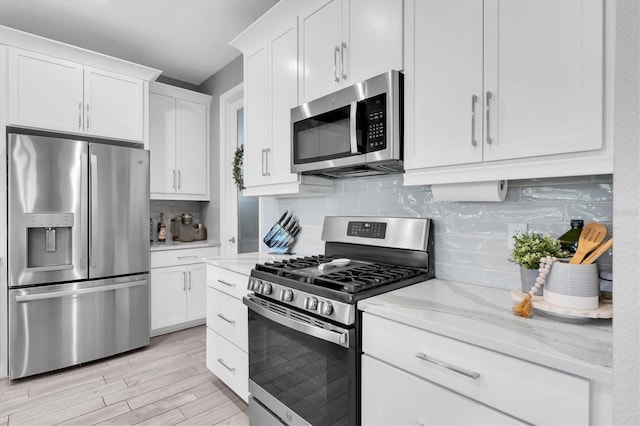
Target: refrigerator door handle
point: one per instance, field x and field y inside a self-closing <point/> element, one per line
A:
<point x="65" y="293"/>
<point x="94" y="252"/>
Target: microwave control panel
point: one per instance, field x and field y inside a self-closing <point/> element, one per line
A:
<point x="367" y="229"/>
<point x="376" y="108"/>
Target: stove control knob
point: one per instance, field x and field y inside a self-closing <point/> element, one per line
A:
<point x="310" y="303"/>
<point x="265" y="288"/>
<point x="325" y="308"/>
<point x="286" y="295"/>
<point x="254" y="285"/>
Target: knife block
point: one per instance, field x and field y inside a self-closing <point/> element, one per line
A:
<point x="281" y="237"/>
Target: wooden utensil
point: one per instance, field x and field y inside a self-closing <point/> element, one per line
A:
<point x="599" y="251"/>
<point x="590" y="237"/>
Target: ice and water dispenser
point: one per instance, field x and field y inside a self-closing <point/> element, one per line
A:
<point x="49" y="241"/>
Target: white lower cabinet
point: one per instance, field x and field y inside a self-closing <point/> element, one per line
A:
<point x="227" y="329"/>
<point x="178" y="289"/>
<point x="391" y="396"/>
<point x="465" y="380"/>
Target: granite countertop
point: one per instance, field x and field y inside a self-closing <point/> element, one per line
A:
<point x="245" y="262"/>
<point x="179" y="245"/>
<point x="482" y="316"/>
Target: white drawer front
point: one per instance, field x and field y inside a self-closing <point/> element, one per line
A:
<point x="525" y="390"/>
<point x="229" y="282"/>
<point x="227" y="316"/>
<point x="181" y="256"/>
<point x="228" y="363"/>
<point x="391" y="396"/>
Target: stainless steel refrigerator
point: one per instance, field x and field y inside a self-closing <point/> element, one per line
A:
<point x="78" y="247"/>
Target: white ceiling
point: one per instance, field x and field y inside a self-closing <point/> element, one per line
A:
<point x="186" y="39"/>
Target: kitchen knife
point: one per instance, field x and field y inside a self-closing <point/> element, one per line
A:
<point x="275" y="228"/>
<point x="280" y="236"/>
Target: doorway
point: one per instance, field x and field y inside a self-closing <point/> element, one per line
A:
<point x="239" y="224"/>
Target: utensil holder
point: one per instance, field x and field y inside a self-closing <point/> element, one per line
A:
<point x="573" y="286"/>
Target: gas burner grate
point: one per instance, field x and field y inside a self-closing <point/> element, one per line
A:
<point x="285" y="267"/>
<point x="367" y="276"/>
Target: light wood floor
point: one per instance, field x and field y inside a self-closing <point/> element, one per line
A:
<point x="165" y="383"/>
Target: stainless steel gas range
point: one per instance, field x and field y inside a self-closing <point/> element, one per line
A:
<point x="304" y="327"/>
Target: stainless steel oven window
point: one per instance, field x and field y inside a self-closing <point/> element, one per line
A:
<point x="309" y="369"/>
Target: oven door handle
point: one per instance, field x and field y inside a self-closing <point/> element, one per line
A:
<point x="338" y="337"/>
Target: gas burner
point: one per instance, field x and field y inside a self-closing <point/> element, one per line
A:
<point x="368" y="276"/>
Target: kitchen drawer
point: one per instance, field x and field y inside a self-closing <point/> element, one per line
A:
<point x="228" y="363"/>
<point x="181" y="256"/>
<point x="227" y="316"/>
<point x="229" y="282"/>
<point x="525" y="390"/>
<point x="391" y="396"/>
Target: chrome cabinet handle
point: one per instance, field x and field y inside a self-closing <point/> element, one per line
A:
<point x="184" y="281"/>
<point x="189" y="288"/>
<point x="79" y="115"/>
<point x="87" y="116"/>
<point x="459" y="370"/>
<point x="179" y="179"/>
<point x="474" y="101"/>
<point x="174" y="179"/>
<point x="226" y="283"/>
<point x="221" y="361"/>
<point x="336" y="51"/>
<point x="227" y="319"/>
<point x="187" y="257"/>
<point x="264" y="151"/>
<point x="343" y="49"/>
<point x="489" y="97"/>
<point x="267" y="151"/>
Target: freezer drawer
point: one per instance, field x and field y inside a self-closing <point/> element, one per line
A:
<point x="52" y="327"/>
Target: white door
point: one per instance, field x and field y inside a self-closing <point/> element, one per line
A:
<point x="256" y="118"/>
<point x="192" y="152"/>
<point x="443" y="83"/>
<point x="544" y="69"/>
<point x="372" y="38"/>
<point x="321" y="44"/>
<point x="162" y="144"/>
<point x="239" y="224"/>
<point x="196" y="291"/>
<point x="114" y="105"/>
<point x="45" y="92"/>
<point x="284" y="95"/>
<point x="168" y="296"/>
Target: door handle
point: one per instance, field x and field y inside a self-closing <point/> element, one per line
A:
<point x="267" y="151"/>
<point x="342" y="60"/>
<point x="79" y="115"/>
<point x="179" y="180"/>
<point x="184" y="281"/>
<point x="174" y="179"/>
<point x="189" y="288"/>
<point x="87" y="116"/>
<point x="232" y="240"/>
<point x="489" y="97"/>
<point x="474" y="101"/>
<point x="65" y="293"/>
<point x="264" y="151"/>
<point x="336" y="52"/>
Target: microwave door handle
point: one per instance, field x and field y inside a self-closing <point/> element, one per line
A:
<point x="353" y="135"/>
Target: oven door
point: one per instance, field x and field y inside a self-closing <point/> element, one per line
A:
<point x="304" y="370"/>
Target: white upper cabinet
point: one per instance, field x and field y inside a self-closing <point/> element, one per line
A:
<point x="55" y="94"/>
<point x="179" y="143"/>
<point x="343" y="42"/>
<point x="270" y="91"/>
<point x="113" y="105"/>
<point x="504" y="89"/>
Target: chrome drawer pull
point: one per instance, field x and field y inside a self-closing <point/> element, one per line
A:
<point x="226" y="283"/>
<point x="187" y="257"/>
<point x="471" y="374"/>
<point x="221" y="361"/>
<point x="227" y="319"/>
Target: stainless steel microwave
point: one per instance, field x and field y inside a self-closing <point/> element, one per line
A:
<point x="356" y="131"/>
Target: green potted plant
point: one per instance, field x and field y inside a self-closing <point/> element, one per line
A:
<point x="528" y="248"/>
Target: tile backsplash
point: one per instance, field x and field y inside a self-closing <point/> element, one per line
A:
<point x="471" y="238"/>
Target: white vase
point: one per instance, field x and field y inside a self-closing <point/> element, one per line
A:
<point x="528" y="279"/>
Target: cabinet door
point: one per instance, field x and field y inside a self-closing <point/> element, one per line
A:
<point x="391" y="396"/>
<point x="544" y="69"/>
<point x="196" y="291"/>
<point x="162" y="144"/>
<point x="443" y="83"/>
<point x="192" y="155"/>
<point x="113" y="104"/>
<point x="255" y="117"/>
<point x="168" y="296"/>
<point x="372" y="39"/>
<point x="45" y="92"/>
<point x="321" y="44"/>
<point x="284" y="95"/>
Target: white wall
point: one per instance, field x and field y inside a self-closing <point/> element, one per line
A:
<point x="626" y="320"/>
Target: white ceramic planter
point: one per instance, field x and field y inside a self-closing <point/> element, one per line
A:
<point x="573" y="286"/>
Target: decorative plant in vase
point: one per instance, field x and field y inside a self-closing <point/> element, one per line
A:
<point x="528" y="249"/>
